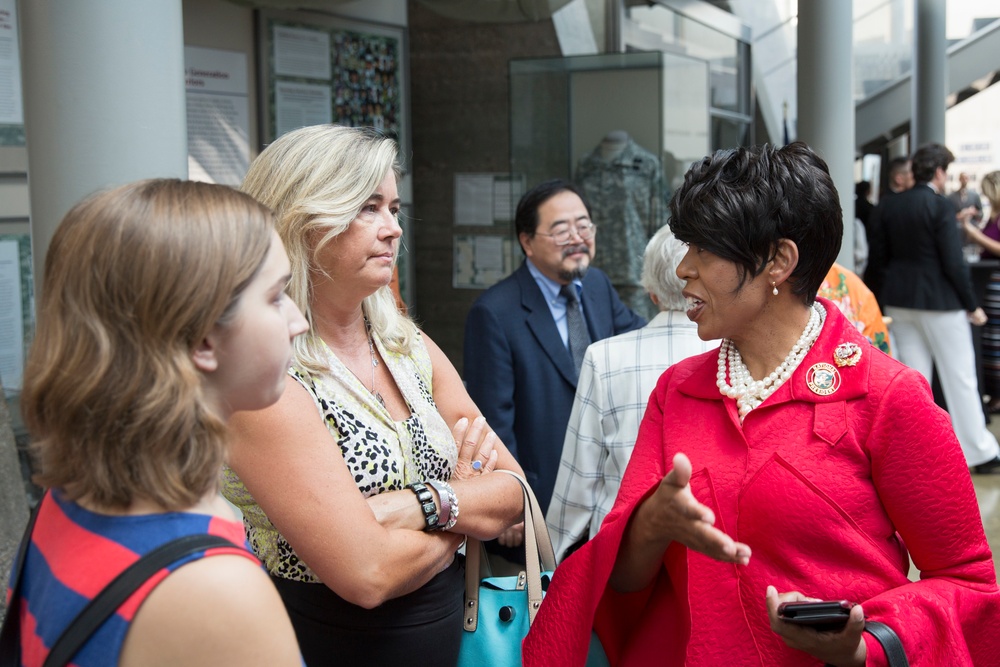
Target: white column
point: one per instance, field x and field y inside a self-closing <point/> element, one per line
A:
<point x="103" y="99"/>
<point x="826" y="99"/>
<point x="930" y="73"/>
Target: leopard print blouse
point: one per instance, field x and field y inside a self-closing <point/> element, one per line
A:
<point x="382" y="454"/>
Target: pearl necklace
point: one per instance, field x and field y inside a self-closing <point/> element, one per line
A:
<point x="750" y="393"/>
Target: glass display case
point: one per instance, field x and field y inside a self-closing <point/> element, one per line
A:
<point x="561" y="109"/>
<point x="623" y="127"/>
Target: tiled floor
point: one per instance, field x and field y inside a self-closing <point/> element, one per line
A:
<point x="988" y="493"/>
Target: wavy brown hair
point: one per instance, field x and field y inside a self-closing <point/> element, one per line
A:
<point x="135" y="278"/>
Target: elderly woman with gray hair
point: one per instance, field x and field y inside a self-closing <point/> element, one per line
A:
<point x="616" y="378"/>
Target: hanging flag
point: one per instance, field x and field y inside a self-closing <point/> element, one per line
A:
<point x="784" y="123"/>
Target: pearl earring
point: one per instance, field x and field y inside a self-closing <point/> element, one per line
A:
<point x="775" y="290"/>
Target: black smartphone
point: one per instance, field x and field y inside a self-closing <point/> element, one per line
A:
<point x="827" y="615"/>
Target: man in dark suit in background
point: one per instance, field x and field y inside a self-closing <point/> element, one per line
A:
<point x="924" y="285"/>
<point x="862" y="201"/>
<point x="964" y="198"/>
<point x="524" y="341"/>
<point x="900" y="176"/>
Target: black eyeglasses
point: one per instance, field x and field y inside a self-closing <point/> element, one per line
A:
<point x="564" y="236"/>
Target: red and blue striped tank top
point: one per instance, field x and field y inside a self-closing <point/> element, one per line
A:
<point x="75" y="553"/>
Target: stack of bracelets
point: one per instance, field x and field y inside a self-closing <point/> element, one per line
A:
<point x="448" y="517"/>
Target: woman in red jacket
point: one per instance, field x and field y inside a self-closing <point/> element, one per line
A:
<point x="797" y="462"/>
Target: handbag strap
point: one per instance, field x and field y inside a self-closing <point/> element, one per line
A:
<point x="889" y="640"/>
<point x="542" y="543"/>
<point x="538" y="557"/>
<point x="10" y="633"/>
<point x="102" y="606"/>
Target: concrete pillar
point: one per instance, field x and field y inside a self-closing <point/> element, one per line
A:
<point x="614" y="16"/>
<point x="826" y="99"/>
<point x="103" y="101"/>
<point x="899" y="147"/>
<point x="930" y="73"/>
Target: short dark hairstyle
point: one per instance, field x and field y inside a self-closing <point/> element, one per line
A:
<point x="738" y="203"/>
<point x="526" y="216"/>
<point x="862" y="189"/>
<point x="927" y="159"/>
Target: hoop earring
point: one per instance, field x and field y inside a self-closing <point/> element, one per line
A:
<point x="774" y="291"/>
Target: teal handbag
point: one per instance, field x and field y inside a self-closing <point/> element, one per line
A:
<point x="499" y="610"/>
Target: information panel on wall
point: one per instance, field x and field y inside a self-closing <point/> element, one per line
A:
<point x="218" y="115"/>
<point x="17" y="321"/>
<point x="11" y="106"/>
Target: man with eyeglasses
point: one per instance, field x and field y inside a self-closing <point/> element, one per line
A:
<point x="525" y="337"/>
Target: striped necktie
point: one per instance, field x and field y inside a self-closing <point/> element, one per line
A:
<point x="579" y="337"/>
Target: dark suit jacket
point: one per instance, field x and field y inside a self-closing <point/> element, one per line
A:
<point x="916" y="258"/>
<point x="521" y="375"/>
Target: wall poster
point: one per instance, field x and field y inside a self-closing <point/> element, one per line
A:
<point x="11" y="108"/>
<point x="320" y="68"/>
<point x="218" y="115"/>
<point x="481" y="260"/>
<point x="486" y="199"/>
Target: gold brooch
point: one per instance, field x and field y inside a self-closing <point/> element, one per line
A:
<point x="823" y="379"/>
<point x="847" y="354"/>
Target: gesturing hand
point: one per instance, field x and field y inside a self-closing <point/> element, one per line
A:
<point x="476" y="453"/>
<point x="683" y="519"/>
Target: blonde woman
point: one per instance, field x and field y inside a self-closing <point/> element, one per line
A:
<point x="351" y="485"/>
<point x="989" y="239"/>
<point x="154" y="297"/>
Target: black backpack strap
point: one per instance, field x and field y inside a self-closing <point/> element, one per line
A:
<point x="889" y="640"/>
<point x="10" y="633"/>
<point x="102" y="606"/>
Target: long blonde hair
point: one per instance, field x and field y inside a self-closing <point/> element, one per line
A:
<point x="317" y="179"/>
<point x="135" y="278"/>
<point x="991" y="190"/>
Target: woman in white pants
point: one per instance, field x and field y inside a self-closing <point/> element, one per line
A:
<point x="923" y="283"/>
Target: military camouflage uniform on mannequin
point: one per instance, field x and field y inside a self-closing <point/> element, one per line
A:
<point x="624" y="186"/>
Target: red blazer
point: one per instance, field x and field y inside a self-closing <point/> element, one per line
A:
<point x="831" y="493"/>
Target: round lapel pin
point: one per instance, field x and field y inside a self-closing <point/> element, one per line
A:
<point x="823" y="379"/>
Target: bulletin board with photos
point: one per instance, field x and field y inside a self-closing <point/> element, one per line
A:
<point x="319" y="68"/>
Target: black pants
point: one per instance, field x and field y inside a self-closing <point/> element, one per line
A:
<point x="425" y="625"/>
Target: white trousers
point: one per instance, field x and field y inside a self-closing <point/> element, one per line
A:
<point x="925" y="339"/>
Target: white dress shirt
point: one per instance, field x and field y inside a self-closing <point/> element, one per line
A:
<point x="616" y="379"/>
<point x="555" y="300"/>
